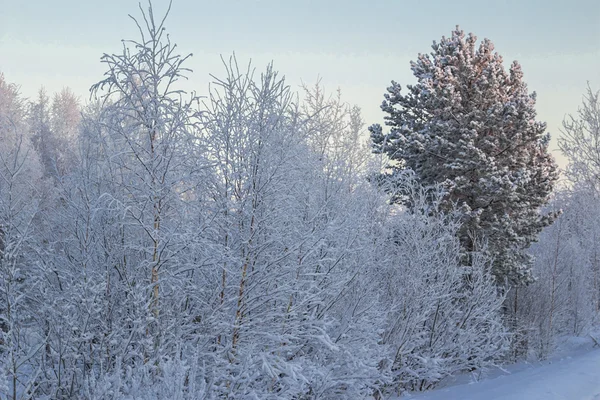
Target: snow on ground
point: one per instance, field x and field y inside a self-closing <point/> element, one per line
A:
<point x="573" y="374"/>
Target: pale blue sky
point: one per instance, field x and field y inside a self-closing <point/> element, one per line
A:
<point x="358" y="46"/>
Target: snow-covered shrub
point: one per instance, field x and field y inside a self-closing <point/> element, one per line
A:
<point x="564" y="299"/>
<point x="443" y="317"/>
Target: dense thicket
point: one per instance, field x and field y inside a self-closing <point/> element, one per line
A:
<point x="157" y="245"/>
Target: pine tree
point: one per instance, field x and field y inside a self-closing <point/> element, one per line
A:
<point x="470" y="124"/>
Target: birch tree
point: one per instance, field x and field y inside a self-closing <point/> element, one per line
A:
<point x="580" y="142"/>
<point x="148" y="121"/>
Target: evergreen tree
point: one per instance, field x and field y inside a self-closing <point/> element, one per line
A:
<point x="470" y="124"/>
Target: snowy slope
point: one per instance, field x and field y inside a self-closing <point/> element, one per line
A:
<point x="572" y="377"/>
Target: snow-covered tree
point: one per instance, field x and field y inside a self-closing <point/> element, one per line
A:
<point x="294" y="239"/>
<point x="147" y="126"/>
<point x="580" y="143"/>
<point x="469" y="124"/>
<point x="65" y="115"/>
<point x="54" y="127"/>
<point x="41" y="133"/>
<point x="22" y="336"/>
<point x="563" y="301"/>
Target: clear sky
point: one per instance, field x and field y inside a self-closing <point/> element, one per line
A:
<point x="358" y="46"/>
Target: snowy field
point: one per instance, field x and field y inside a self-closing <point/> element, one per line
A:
<point x="574" y="374"/>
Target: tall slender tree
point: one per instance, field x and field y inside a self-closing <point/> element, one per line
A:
<point x="148" y="122"/>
